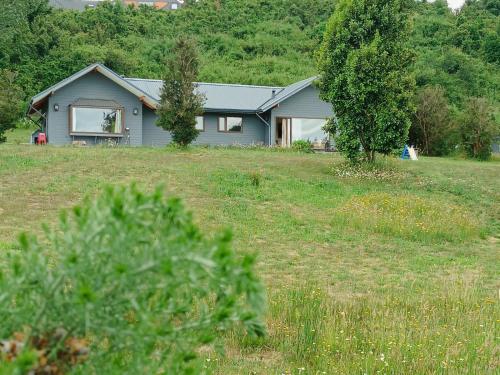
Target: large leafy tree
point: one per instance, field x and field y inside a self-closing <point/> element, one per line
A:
<point x="179" y="101"/>
<point x="11" y="102"/>
<point x="365" y="73"/>
<point x="18" y="21"/>
<point x="432" y="129"/>
<point x="478" y="128"/>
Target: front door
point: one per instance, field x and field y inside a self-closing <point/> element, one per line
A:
<point x="283" y="131"/>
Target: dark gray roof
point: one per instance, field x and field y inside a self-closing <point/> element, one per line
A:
<point x="286" y="93"/>
<point x="219" y="96"/>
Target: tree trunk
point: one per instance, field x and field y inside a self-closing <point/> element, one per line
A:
<point x="370" y="156"/>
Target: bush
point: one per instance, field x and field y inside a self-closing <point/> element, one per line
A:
<point x="302" y="146"/>
<point x="432" y="129"/>
<point x="478" y="129"/>
<point x="131" y="281"/>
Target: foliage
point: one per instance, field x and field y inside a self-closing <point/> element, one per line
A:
<point x="179" y="102"/>
<point x="11" y="102"/>
<point x="364" y="63"/>
<point x="302" y="146"/>
<point x="242" y="41"/>
<point x="478" y="128"/>
<point x="133" y="275"/>
<point x="330" y="127"/>
<point x="432" y="129"/>
<point x="456" y="51"/>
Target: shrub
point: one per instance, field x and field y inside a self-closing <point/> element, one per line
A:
<point x="130" y="277"/>
<point x="478" y="128"/>
<point x="432" y="129"/>
<point x="302" y="146"/>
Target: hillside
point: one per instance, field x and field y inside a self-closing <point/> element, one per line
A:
<point x="240" y="41"/>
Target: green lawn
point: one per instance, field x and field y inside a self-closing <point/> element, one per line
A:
<point x="389" y="273"/>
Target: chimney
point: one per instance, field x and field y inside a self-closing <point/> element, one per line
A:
<point x="273" y="93"/>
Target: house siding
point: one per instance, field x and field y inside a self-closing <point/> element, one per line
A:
<point x="495" y="147"/>
<point x="305" y="104"/>
<point x="254" y="131"/>
<point x="92" y="86"/>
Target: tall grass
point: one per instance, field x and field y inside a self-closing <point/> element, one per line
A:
<point x="397" y="251"/>
<point x="453" y="331"/>
<point x="407" y="216"/>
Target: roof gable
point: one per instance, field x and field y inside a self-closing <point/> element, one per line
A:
<point x="108" y="73"/>
<point x="286" y="93"/>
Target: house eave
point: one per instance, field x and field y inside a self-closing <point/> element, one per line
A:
<point x="230" y="110"/>
<point x="39" y="99"/>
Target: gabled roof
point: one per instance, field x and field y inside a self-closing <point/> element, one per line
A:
<point x="143" y="96"/>
<point x="286" y="93"/>
<point x="220" y="97"/>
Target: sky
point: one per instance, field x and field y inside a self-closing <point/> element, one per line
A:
<point x="455" y="3"/>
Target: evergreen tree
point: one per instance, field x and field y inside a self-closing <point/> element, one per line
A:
<point x="365" y="65"/>
<point x="179" y="102"/>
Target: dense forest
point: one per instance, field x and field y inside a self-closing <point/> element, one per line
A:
<point x="245" y="41"/>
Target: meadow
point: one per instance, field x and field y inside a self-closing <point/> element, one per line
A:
<point x="390" y="271"/>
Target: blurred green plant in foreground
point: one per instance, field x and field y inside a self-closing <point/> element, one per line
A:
<point x="130" y="276"/>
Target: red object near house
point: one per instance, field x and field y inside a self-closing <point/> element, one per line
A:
<point x="42" y="139"/>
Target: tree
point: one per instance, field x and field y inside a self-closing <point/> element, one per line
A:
<point x="179" y="102"/>
<point x="364" y="64"/>
<point x="17" y="20"/>
<point x="11" y="102"/>
<point x="478" y="128"/>
<point x="432" y="129"/>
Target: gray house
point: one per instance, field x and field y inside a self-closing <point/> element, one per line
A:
<point x="96" y="105"/>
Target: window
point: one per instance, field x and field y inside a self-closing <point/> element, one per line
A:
<point x="200" y="123"/>
<point x="96" y="120"/>
<point x="174" y="6"/>
<point x="231" y="124"/>
<point x="308" y="129"/>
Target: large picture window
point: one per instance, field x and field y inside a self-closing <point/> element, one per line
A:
<point x="231" y="124"/>
<point x="308" y="129"/>
<point x="94" y="120"/>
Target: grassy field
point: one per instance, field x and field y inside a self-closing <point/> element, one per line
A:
<point x="393" y="272"/>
